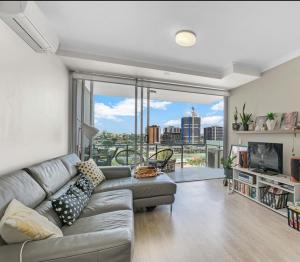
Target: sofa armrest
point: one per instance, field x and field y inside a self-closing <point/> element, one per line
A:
<point x="113" y="172"/>
<point x="109" y="245"/>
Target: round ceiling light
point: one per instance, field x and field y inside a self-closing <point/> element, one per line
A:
<point x="185" y="38"/>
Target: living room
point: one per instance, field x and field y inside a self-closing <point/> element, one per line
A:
<point x="104" y="145"/>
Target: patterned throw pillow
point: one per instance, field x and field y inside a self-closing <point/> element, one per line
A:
<point x="85" y="184"/>
<point x="92" y="171"/>
<point x="69" y="205"/>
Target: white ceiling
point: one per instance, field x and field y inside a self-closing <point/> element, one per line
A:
<point x="111" y="89"/>
<point x="254" y="36"/>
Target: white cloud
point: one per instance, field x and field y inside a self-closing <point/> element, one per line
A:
<point x="159" y="104"/>
<point x="212" y="120"/>
<point x="219" y="106"/>
<point x="172" y="122"/>
<point x="124" y="108"/>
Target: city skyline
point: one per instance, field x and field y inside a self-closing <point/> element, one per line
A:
<point x="116" y="114"/>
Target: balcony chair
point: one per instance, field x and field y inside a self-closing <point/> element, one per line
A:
<point x="161" y="158"/>
<point x="104" y="156"/>
<point x="127" y="157"/>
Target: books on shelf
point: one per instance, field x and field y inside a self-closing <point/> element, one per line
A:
<point x="245" y="189"/>
<point x="247" y="178"/>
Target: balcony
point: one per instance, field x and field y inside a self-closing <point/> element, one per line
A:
<point x="192" y="161"/>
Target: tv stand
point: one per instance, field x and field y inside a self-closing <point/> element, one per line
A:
<point x="251" y="189"/>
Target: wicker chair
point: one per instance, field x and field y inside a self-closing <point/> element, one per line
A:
<point x="161" y="158"/>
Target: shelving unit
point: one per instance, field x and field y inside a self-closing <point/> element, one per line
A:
<point x="293" y="131"/>
<point x="277" y="181"/>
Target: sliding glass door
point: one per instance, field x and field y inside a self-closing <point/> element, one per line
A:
<point x="135" y="120"/>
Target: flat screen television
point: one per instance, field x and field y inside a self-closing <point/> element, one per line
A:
<point x="265" y="157"/>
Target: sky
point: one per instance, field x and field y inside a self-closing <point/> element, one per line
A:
<point x="116" y="114"/>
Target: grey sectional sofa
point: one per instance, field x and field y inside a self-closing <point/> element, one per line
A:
<point x="105" y="229"/>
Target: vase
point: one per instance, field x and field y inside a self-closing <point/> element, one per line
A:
<point x="271" y="124"/>
<point x="228" y="172"/>
<point x="245" y="127"/>
<point x="235" y="126"/>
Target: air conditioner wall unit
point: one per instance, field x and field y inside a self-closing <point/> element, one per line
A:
<point x="28" y="21"/>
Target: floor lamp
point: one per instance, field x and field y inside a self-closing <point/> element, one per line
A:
<point x="89" y="132"/>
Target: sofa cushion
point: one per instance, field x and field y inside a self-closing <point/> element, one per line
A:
<point x="91" y="170"/>
<point x="21" y="223"/>
<point x="21" y="186"/>
<point x="105" y="221"/>
<point x="85" y="185"/>
<point x="108" y="202"/>
<point x="69" y="205"/>
<point x="51" y="175"/>
<point x="141" y="188"/>
<point x="70" y="161"/>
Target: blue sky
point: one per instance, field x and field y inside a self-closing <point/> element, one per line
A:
<point x="116" y="114"/>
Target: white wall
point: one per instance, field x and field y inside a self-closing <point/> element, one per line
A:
<point x="278" y="90"/>
<point x="33" y="104"/>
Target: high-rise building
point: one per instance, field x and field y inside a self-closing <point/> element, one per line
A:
<point x="213" y="133"/>
<point x="190" y="128"/>
<point x="153" y="134"/>
<point x="171" y="136"/>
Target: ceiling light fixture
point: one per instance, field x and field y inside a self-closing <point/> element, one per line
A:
<point x="185" y="38"/>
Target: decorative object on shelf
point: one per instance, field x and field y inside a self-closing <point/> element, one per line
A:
<point x="270" y="121"/>
<point x="245" y="118"/>
<point x="228" y="165"/>
<point x="295" y="169"/>
<point x="243" y="159"/>
<point x="251" y="126"/>
<point x="260" y="123"/>
<point x="289" y="120"/>
<point x="235" y="125"/>
<point x="273" y="121"/>
<point x="235" y="151"/>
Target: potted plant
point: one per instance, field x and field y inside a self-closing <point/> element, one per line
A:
<point x="271" y="121"/>
<point x="245" y="118"/>
<point x="228" y="165"/>
<point x="235" y="125"/>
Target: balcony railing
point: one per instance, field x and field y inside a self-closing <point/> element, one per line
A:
<point x="186" y="155"/>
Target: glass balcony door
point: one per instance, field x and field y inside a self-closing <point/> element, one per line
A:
<point x="136" y="120"/>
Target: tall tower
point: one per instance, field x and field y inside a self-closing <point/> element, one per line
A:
<point x="190" y="128"/>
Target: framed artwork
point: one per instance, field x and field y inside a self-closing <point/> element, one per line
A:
<point x="289" y="120"/>
<point x="260" y="123"/>
<point x="278" y="119"/>
<point x="234" y="151"/>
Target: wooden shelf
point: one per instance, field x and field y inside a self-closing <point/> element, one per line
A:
<point x="293" y="131"/>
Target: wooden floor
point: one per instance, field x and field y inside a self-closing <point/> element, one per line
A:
<point x="208" y="224"/>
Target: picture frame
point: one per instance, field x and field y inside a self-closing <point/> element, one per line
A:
<point x="289" y="120"/>
<point x="260" y="123"/>
<point x="234" y="151"/>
